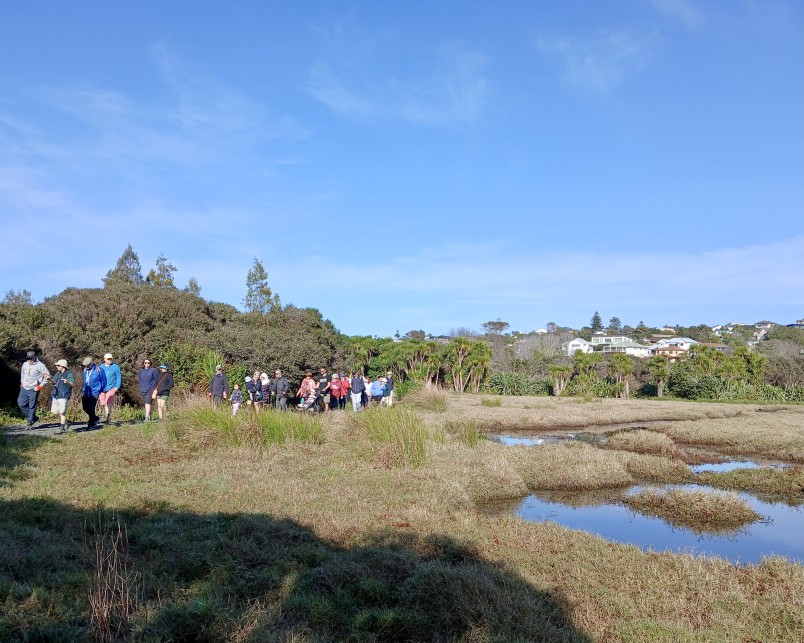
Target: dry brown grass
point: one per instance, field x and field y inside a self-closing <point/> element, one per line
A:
<point x="644" y="441"/>
<point x="789" y="481"/>
<point x="776" y="434"/>
<point x="611" y="592"/>
<point x="700" y="511"/>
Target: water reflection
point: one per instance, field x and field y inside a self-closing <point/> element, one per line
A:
<point x="734" y="465"/>
<point x="601" y="513"/>
<point x="531" y="439"/>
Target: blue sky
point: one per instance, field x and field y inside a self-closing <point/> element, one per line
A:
<point x="415" y="165"/>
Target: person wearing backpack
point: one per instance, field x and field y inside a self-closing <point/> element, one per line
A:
<point x="162" y="391"/>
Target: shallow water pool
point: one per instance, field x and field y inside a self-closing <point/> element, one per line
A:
<point x="600" y="513"/>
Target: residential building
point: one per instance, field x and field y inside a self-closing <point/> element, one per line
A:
<point x="579" y="344"/>
<point x="671" y="353"/>
<point x="684" y="343"/>
<point x="629" y="347"/>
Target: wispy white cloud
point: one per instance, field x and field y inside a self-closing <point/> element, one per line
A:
<point x="461" y="282"/>
<point x="685" y="11"/>
<point x="454" y="90"/>
<point x="601" y="63"/>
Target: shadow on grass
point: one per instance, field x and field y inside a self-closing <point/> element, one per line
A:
<point x="256" y="578"/>
<point x="13" y="456"/>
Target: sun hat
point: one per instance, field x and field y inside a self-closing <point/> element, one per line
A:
<point x="108" y="356"/>
<point x="62" y="363"/>
<point x="87" y="361"/>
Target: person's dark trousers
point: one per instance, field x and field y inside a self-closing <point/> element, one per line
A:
<point x="89" y="402"/>
<point x="281" y="404"/>
<point x="216" y="401"/>
<point x="27" y="403"/>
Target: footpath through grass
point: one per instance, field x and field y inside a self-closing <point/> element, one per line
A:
<point x="365" y="528"/>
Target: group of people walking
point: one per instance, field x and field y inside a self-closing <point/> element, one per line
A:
<point x="101" y="383"/>
<point x="332" y="391"/>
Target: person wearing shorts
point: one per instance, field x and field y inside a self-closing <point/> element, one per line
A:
<point x="147" y="377"/>
<point x="63" y="382"/>
<point x="163" y="386"/>
<point x="114" y="380"/>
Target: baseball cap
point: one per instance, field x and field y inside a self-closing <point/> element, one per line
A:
<point x="108" y="356"/>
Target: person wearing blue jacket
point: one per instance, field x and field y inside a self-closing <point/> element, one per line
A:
<point x="94" y="383"/>
<point x="114" y="380"/>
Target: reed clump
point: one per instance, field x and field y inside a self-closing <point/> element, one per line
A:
<point x="491" y="402"/>
<point x="428" y="398"/>
<point x="268" y="427"/>
<point x="644" y="441"/>
<point x="468" y="431"/>
<point x="697" y="510"/>
<point x="398" y="434"/>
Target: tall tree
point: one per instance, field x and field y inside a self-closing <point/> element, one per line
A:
<point x="259" y="298"/>
<point x="621" y="367"/>
<point x="193" y="288"/>
<point x="496" y="327"/>
<point x="127" y="272"/>
<point x="162" y="274"/>
<point x="596" y="323"/>
<point x="660" y="371"/>
<point x="22" y="297"/>
<point x="615" y="326"/>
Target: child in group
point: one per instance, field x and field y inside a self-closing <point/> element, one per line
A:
<point x="237" y="398"/>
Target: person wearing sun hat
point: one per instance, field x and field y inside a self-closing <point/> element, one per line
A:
<point x="63" y="382"/>
<point x="114" y="380"/>
<point x="94" y="382"/>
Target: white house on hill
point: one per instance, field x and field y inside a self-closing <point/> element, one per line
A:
<point x="579" y="344"/>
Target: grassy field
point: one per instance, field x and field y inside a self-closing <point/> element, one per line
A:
<point x="369" y="528"/>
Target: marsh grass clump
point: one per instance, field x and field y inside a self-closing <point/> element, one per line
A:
<point x="764" y="480"/>
<point x="570" y="466"/>
<point x="276" y="427"/>
<point x="253" y="429"/>
<point x="656" y="468"/>
<point x="428" y="398"/>
<point x="491" y="402"/>
<point x="398" y="432"/>
<point x="644" y="441"/>
<point x="467" y="432"/>
<point x="699" y="511"/>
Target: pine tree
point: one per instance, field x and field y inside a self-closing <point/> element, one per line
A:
<point x="126" y="272"/>
<point x="259" y="298"/>
<point x="597" y="322"/>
